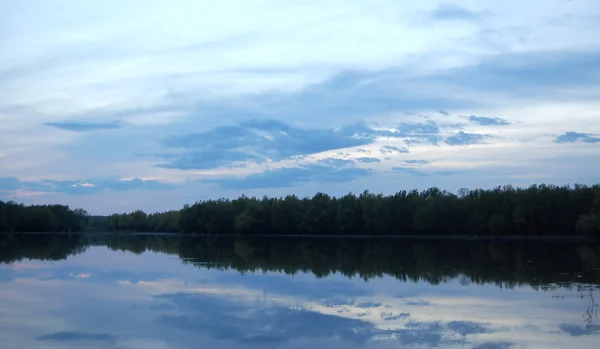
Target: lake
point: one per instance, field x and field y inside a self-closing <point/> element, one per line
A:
<point x="177" y="292"/>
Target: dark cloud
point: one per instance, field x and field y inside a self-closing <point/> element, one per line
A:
<point x="78" y="126"/>
<point x="419" y="132"/>
<point x="574" y="137"/>
<point x="488" y="121"/>
<point x="418" y="303"/>
<point x="10" y="183"/>
<point x="410" y="170"/>
<point x="368" y="305"/>
<point x="368" y="160"/>
<point x="390" y="149"/>
<point x="464" y="138"/>
<point x="290" y="176"/>
<point x="416" y="162"/>
<point x="70" y="336"/>
<point x="407" y="337"/>
<point x="413" y="171"/>
<point x="494" y="345"/>
<point x="336" y="162"/>
<point x="408" y="129"/>
<point x="531" y="74"/>
<point x="82" y="187"/>
<point x="205" y="159"/>
<point x="449" y="11"/>
<point x="354" y="95"/>
<point x="391" y="316"/>
<point x="259" y="140"/>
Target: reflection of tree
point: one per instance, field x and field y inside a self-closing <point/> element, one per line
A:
<point x="592" y="310"/>
<point x="507" y="264"/>
<point x="40" y="247"/>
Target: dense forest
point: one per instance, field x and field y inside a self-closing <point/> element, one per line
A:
<point x="41" y="218"/>
<point x="539" y="210"/>
<point x="534" y="211"/>
<point x="539" y="264"/>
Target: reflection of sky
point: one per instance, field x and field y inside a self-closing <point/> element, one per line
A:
<point x="106" y="299"/>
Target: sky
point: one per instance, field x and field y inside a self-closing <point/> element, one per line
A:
<point x="118" y="105"/>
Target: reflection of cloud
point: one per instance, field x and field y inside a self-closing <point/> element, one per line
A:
<point x="418" y="303"/>
<point x="81" y="275"/>
<point x="69" y="336"/>
<point x="224" y="319"/>
<point x="575" y="330"/>
<point x="391" y="316"/>
<point x="256" y="315"/>
<point x="287" y="286"/>
<point x="424" y="326"/>
<point x="24" y="265"/>
<point x="418" y="337"/>
<point x="103" y="276"/>
<point x="467" y="327"/>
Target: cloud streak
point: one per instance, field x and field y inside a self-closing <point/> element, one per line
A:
<point x="78" y="336"/>
<point x="464" y="138"/>
<point x="78" y="126"/>
<point x="575" y="137"/>
<point x="449" y="12"/>
<point x="290" y="176"/>
<point x="82" y="187"/>
<point x="487" y="121"/>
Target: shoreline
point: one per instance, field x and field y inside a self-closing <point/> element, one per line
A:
<point x="328" y="236"/>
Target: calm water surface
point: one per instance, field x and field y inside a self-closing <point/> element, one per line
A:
<point x="174" y="292"/>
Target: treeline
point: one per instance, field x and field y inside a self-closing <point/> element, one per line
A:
<point x="540" y="264"/>
<point x="165" y="222"/>
<point x="534" y="211"/>
<point x="16" y="217"/>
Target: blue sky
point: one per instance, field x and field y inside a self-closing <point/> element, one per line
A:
<point x="118" y="105"/>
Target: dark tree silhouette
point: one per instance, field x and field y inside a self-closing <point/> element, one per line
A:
<point x="503" y="211"/>
<point x="46" y="218"/>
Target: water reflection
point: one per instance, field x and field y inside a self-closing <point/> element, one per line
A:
<point x="177" y="292"/>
